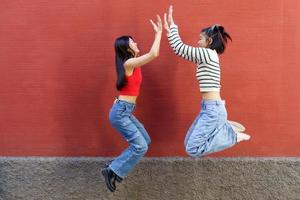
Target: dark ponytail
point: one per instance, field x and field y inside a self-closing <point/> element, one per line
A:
<point x="219" y="37"/>
<point x="122" y="54"/>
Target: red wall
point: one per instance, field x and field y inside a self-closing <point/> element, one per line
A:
<point x="57" y="75"/>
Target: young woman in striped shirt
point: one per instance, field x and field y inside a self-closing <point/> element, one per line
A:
<point x="211" y="131"/>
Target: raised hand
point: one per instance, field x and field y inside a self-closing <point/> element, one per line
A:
<point x="168" y="19"/>
<point x="158" y="25"/>
<point x="166" y="25"/>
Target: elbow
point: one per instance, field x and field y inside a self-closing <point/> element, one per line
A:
<point x="155" y="54"/>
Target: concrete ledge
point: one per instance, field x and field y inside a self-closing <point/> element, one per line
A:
<point x="40" y="178"/>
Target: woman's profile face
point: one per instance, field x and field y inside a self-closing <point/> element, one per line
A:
<point x="203" y="40"/>
<point x="133" y="47"/>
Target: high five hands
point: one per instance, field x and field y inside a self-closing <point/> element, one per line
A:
<point x="168" y="21"/>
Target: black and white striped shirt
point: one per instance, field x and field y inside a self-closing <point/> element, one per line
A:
<point x="208" y="68"/>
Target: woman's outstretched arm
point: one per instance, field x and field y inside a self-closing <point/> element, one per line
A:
<point x="154" y="51"/>
<point x="194" y="54"/>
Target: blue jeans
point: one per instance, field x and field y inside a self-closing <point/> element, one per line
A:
<point x="210" y="132"/>
<point x="134" y="133"/>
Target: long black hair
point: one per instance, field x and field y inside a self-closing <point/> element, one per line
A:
<point x="122" y="54"/>
<point x="219" y="37"/>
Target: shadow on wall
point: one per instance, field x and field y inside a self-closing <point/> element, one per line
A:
<point x="158" y="106"/>
<point x="84" y="97"/>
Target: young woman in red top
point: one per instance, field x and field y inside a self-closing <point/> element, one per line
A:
<point x="129" y="78"/>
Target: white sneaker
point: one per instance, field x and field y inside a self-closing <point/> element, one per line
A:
<point x="237" y="127"/>
<point x="242" y="137"/>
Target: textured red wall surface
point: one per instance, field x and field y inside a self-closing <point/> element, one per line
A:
<point x="58" y="75"/>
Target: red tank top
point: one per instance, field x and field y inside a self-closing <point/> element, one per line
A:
<point x="132" y="88"/>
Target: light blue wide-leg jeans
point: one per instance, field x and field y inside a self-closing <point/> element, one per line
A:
<point x="210" y="132"/>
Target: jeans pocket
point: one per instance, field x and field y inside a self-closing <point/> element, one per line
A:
<point x="128" y="130"/>
<point x="223" y="114"/>
<point x="119" y="109"/>
<point x="211" y="111"/>
<point x="125" y="121"/>
<point x="211" y="108"/>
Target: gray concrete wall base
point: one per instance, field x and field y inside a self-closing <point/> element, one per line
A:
<point x="163" y="178"/>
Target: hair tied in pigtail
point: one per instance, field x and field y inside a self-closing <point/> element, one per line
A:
<point x="219" y="37"/>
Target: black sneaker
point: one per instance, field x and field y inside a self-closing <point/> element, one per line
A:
<point x="109" y="176"/>
<point x="118" y="178"/>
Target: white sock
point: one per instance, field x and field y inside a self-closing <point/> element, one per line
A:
<point x="242" y="137"/>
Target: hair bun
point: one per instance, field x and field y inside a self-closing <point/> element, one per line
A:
<point x="214" y="27"/>
<point x="221" y="29"/>
<point x="218" y="28"/>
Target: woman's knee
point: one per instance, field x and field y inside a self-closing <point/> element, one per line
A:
<point x="148" y="141"/>
<point x="146" y="137"/>
<point x="192" y="151"/>
<point x="141" y="147"/>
